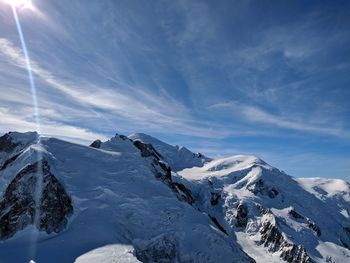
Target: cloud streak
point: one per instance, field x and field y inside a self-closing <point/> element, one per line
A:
<point x="257" y="115"/>
<point x="135" y="105"/>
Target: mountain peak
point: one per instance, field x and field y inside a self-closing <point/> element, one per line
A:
<point x="163" y="203"/>
<point x="178" y="157"/>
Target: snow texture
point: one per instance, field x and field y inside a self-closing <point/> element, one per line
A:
<point x="138" y="199"/>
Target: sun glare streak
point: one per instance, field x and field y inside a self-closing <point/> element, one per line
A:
<point x="39" y="181"/>
<point x="18" y="3"/>
<point x="29" y="69"/>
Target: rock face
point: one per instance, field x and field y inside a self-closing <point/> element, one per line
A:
<point x="249" y="203"/>
<point x="162" y="170"/>
<point x="96" y="144"/>
<point x="241" y="215"/>
<point x="7" y="144"/>
<point x="272" y="211"/>
<point x="259" y="187"/>
<point x="22" y="202"/>
<point x="274" y="240"/>
<point x="177" y="157"/>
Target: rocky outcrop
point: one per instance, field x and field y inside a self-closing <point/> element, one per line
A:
<point x="312" y="225"/>
<point x="218" y="225"/>
<point x="295" y="254"/>
<point x="7" y="144"/>
<point x="162" y="171"/>
<point x="259" y="187"/>
<point x="147" y="150"/>
<point x="23" y="205"/>
<point x="241" y="215"/>
<point x="9" y="161"/>
<point x="295" y="215"/>
<point x="272" y="238"/>
<point x="215" y="197"/>
<point x="96" y="144"/>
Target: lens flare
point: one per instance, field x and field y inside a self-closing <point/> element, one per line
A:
<point x="18" y="3"/>
<point x="29" y="68"/>
<point x="39" y="183"/>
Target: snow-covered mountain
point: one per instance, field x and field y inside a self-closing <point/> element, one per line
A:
<point x="138" y="199"/>
<point x="178" y="157"/>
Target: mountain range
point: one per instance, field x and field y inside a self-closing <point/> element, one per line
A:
<point x="137" y="199"/>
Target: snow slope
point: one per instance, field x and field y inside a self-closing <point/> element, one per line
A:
<point x="273" y="213"/>
<point x="118" y="206"/>
<point x="138" y="199"/>
<point x="178" y="157"/>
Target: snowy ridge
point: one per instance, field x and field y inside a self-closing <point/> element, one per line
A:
<point x="117" y="200"/>
<point x="178" y="157"/>
<point x="124" y="200"/>
<point x="299" y="220"/>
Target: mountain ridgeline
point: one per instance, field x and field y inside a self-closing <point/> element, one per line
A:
<point x="138" y="199"/>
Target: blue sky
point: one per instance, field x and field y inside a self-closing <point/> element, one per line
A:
<point x="269" y="78"/>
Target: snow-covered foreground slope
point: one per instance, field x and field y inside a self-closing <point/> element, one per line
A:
<point x="121" y="201"/>
<point x="115" y="202"/>
<point x="272" y="214"/>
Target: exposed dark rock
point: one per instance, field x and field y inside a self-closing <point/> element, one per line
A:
<point x="184" y="192"/>
<point x="263" y="210"/>
<point x="314" y="227"/>
<point x="295" y="214"/>
<point x="96" y="144"/>
<point x="162" y="171"/>
<point x="9" y="161"/>
<point x="214" y="199"/>
<point x="161" y="249"/>
<point x="259" y="187"/>
<point x="271" y="236"/>
<point x="147" y="149"/>
<point x="295" y="254"/>
<point x="272" y="193"/>
<point x="6" y="143"/>
<point x="215" y="221"/>
<point x="19" y="205"/>
<point x="241" y="215"/>
<point x="273" y="239"/>
<point x="166" y="168"/>
<point x="199" y="155"/>
<point x="123" y="137"/>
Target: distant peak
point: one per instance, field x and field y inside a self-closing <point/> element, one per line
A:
<point x="141" y="136"/>
<point x="21" y="137"/>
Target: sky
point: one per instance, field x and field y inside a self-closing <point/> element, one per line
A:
<point x="268" y="78"/>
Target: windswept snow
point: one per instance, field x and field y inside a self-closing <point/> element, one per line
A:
<point x="110" y="254"/>
<point x="116" y="200"/>
<point x="322" y="204"/>
<point x="240" y="207"/>
<point x="178" y="157"/>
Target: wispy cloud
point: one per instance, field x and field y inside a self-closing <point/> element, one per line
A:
<point x="135" y="105"/>
<point x="11" y="122"/>
<point x="257" y="115"/>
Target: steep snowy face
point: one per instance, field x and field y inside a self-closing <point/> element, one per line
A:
<point x="274" y="216"/>
<point x="120" y="196"/>
<point x="177" y="157"/>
